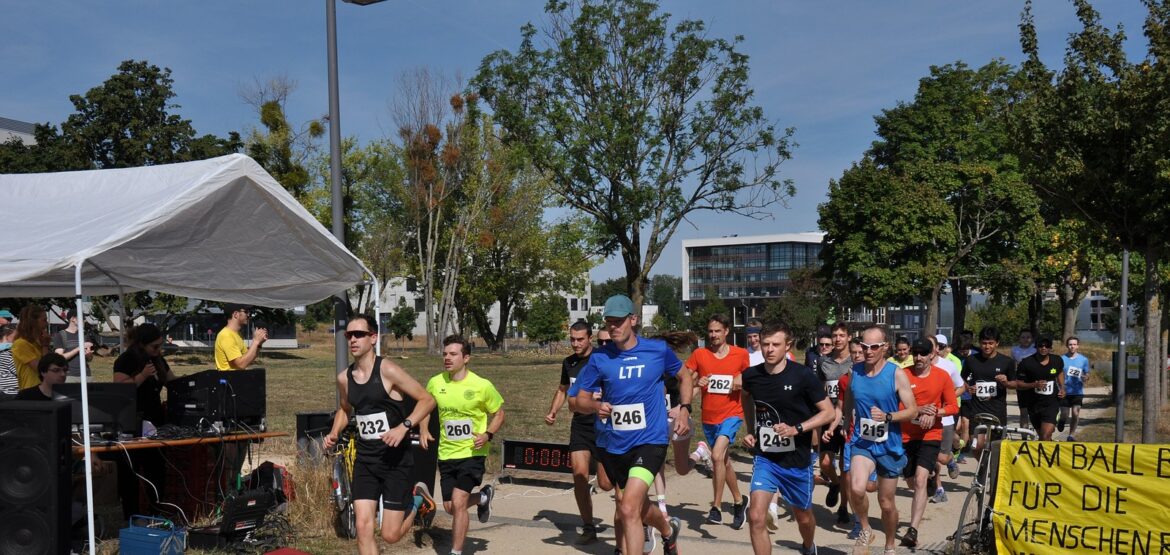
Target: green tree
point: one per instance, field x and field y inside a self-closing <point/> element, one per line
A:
<point x="600" y="291"/>
<point x="639" y="125"/>
<point x="280" y="148"/>
<point x="1094" y="134"/>
<point x="546" y="319"/>
<point x="402" y="322"/>
<point x="516" y="254"/>
<point x="666" y="292"/>
<point x="712" y="305"/>
<point x="802" y="305"/>
<point x="938" y="186"/>
<point x="127" y="122"/>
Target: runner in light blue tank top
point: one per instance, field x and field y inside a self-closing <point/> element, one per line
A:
<point x="875" y="391"/>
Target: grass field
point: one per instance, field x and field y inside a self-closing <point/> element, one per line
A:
<point x="302" y="380"/>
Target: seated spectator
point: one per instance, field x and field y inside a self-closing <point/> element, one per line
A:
<point x="52" y="368"/>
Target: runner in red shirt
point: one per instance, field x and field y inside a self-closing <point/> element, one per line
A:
<point x="934" y="392"/>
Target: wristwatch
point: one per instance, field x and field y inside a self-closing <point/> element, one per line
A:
<point x="686" y="406"/>
<point x="800" y="427"/>
<point x="889" y="417"/>
<point x="408" y="423"/>
<point x="490" y="435"/>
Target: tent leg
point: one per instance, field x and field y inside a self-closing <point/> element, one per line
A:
<point x="378" y="315"/>
<point x="88" y="458"/>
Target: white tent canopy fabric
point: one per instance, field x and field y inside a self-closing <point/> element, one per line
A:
<point x="219" y="229"/>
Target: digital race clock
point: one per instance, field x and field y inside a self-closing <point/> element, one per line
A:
<point x="537" y="455"/>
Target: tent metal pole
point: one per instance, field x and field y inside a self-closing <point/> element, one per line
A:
<point x="85" y="412"/>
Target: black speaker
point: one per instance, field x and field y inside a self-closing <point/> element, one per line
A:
<point x="311" y="430"/>
<point x="35" y="459"/>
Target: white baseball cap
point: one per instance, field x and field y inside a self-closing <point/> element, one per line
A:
<point x="941" y="340"/>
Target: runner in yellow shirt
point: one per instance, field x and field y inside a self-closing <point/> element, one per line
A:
<point x="470" y="415"/>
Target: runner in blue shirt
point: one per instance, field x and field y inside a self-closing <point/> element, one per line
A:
<point x="875" y="441"/>
<point x="630" y="374"/>
<point x="1076" y="366"/>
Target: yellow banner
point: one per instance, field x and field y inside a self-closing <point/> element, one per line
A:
<point x="1082" y="498"/>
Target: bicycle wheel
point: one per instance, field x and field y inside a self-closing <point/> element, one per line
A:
<point x="346" y="519"/>
<point x="966" y="538"/>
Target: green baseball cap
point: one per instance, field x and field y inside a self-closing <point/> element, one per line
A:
<point x="618" y="306"/>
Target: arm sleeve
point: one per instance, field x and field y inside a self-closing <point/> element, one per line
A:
<point x="814" y="390"/>
<point x="493" y="400"/>
<point x="565" y="372"/>
<point x="1010" y="371"/>
<point x="58" y="341"/>
<point x="950" y="402"/>
<point x="588" y="379"/>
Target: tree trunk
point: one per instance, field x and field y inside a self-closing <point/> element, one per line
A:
<point x="930" y="326"/>
<point x="1070" y="307"/>
<point x="502" y="327"/>
<point x="1035" y="310"/>
<point x="484" y="327"/>
<point x="959" y="300"/>
<point x="1153" y="361"/>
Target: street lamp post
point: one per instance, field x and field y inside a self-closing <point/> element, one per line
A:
<point x="340" y="306"/>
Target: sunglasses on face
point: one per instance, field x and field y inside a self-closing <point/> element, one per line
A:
<point x="360" y="334"/>
<point x="824" y="344"/>
<point x="872" y="347"/>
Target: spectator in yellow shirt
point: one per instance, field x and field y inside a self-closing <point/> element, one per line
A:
<point x="231" y="353"/>
<point x="32" y="342"/>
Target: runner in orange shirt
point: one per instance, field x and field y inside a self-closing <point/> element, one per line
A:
<point x="717" y="365"/>
<point x="934" y="392"/>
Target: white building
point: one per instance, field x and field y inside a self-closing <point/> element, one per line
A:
<point x="22" y="130"/>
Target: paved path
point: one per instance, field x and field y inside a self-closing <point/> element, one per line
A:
<point x="536" y="514"/>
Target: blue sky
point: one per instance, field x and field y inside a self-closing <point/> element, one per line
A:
<point x="825" y="68"/>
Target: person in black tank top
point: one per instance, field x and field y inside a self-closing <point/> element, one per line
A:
<point x="385" y="403"/>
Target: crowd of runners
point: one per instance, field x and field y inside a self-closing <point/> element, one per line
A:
<point x="863" y="412"/>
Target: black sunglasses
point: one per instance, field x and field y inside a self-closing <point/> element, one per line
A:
<point x="824" y="344"/>
<point x="604" y="341"/>
<point x="360" y="334"/>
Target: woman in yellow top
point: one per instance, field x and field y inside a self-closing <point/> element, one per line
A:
<point x="32" y="342"/>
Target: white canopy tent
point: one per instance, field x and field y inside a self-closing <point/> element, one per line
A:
<point x="219" y="229"/>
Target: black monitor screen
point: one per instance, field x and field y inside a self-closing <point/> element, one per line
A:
<point x="113" y="407"/>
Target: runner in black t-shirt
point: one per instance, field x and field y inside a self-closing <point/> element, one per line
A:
<point x="788" y="399"/>
<point x="989" y="375"/>
<point x="582" y="434"/>
<point x="1042" y="374"/>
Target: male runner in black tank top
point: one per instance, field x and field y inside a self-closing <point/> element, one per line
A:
<point x="377" y="392"/>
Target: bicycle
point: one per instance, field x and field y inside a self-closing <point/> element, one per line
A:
<point x="345" y="453"/>
<point x="974" y="533"/>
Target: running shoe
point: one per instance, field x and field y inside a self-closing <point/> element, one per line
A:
<point x="484" y="508"/>
<point x="1070" y="438"/>
<point x="833" y="496"/>
<point x="588" y="535"/>
<point x="811" y="550"/>
<point x="715" y="516"/>
<point x="940" y="496"/>
<point x="424" y="505"/>
<point x="953" y="469"/>
<point x="856" y="531"/>
<point x="650" y="542"/>
<point x="1059" y="423"/>
<point x="670" y="545"/>
<point x="910" y="538"/>
<point x="740" y="513"/>
<point x="773" y="516"/>
<point x="861" y="545"/>
<point x="703" y="452"/>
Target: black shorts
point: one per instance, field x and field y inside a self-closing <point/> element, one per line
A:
<point x="836" y="443"/>
<point x="1043" y="413"/>
<point x="649" y="457"/>
<point x="605" y="460"/>
<point x="967" y="410"/>
<point x="465" y="474"/>
<point x="582" y="437"/>
<point x="375" y="477"/>
<point x="1073" y="400"/>
<point x="920" y="454"/>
